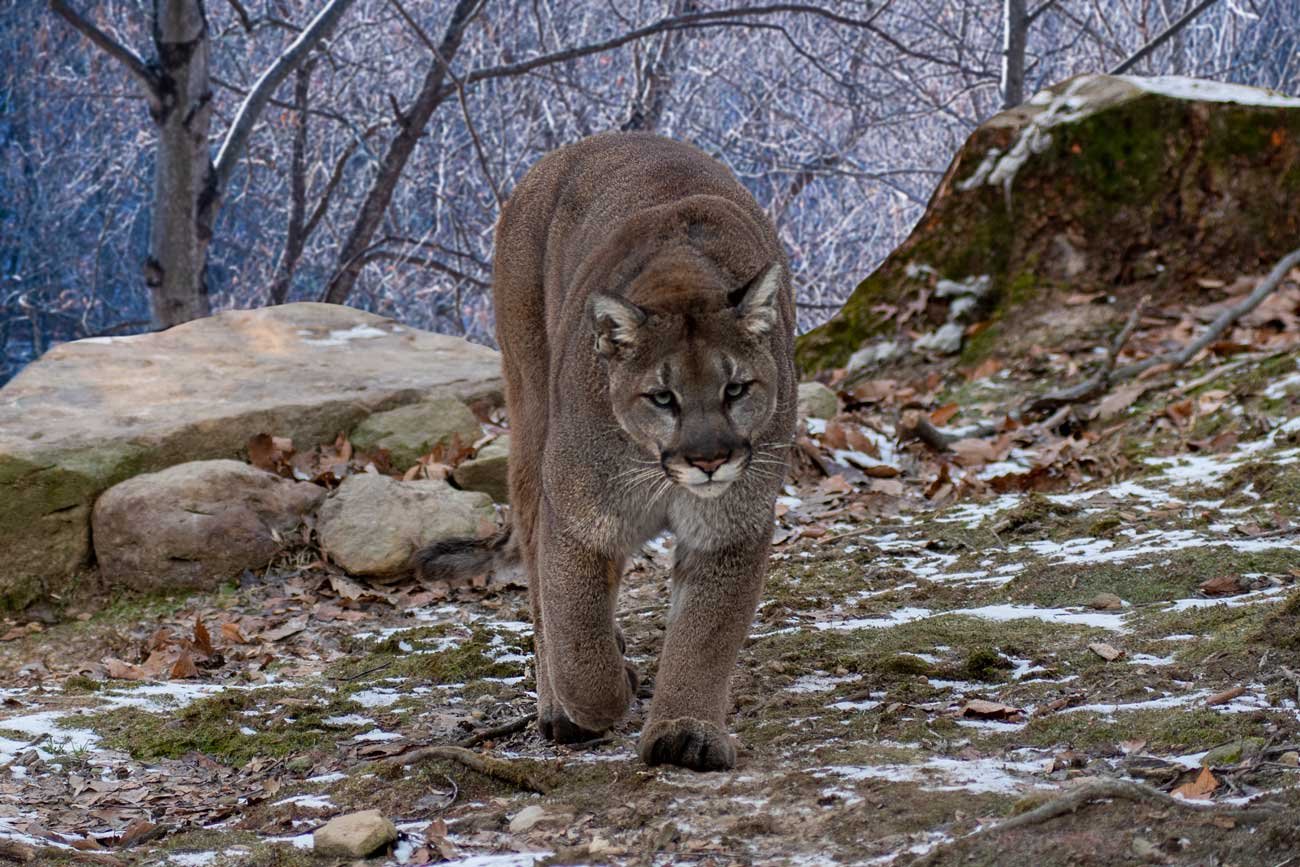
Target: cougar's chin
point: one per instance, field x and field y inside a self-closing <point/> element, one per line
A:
<point x="708" y="490"/>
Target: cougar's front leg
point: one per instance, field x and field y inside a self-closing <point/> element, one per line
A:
<point x="714" y="594"/>
<point x="590" y="686"/>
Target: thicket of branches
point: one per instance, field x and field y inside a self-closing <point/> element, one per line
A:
<point x="374" y="174"/>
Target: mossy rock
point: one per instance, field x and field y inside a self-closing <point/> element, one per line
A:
<point x="410" y="432"/>
<point x="1100" y="184"/>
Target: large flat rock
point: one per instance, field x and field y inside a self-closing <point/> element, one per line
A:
<point x="89" y="414"/>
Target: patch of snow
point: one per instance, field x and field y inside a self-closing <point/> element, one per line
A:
<point x="311" y="802"/>
<point x="340" y="337"/>
<point x="1166" y="701"/>
<point x="1148" y="659"/>
<point x="377" y="735"/>
<point x="376" y="697"/>
<point x="327" y="778"/>
<point x="1251" y="598"/>
<point x="946" y="775"/>
<point x="893" y="618"/>
<point x="192" y="859"/>
<point x="810" y="683"/>
<point x="1182" y="87"/>
<point x="347" y="719"/>
<point x="1006" y="612"/>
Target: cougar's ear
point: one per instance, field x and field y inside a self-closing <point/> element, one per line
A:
<point x="755" y="302"/>
<point x="614" y="322"/>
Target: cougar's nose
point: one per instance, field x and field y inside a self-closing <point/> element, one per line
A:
<point x="708" y="465"/>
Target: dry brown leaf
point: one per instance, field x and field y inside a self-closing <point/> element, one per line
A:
<point x="875" y="391"/>
<point x="283" y="631"/>
<point x="976" y="452"/>
<point x="1119" y="400"/>
<point x="138" y="830"/>
<point x="120" y="670"/>
<point x="347" y="588"/>
<point x="1222" y="585"/>
<point x="1199" y="789"/>
<point x="232" y="633"/>
<point x="184" y="666"/>
<point x="202" y="640"/>
<point x="944" y="414"/>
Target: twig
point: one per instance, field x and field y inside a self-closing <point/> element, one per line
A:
<point x="500" y="731"/>
<point x="1099" y="381"/>
<point x="513" y="773"/>
<point x="1120" y="790"/>
<point x="914" y="424"/>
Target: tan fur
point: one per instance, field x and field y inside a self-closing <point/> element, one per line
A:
<point x="630" y="267"/>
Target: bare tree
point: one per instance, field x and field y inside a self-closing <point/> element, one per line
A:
<point x="188" y="182"/>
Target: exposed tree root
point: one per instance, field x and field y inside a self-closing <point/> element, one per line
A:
<point x="1101" y="790"/>
<point x="516" y="774"/>
<point x="500" y="731"/>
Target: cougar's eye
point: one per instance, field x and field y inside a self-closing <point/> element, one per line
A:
<point x="661" y="398"/>
<point x="736" y="389"/>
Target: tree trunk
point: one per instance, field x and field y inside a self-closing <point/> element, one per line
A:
<point x="1015" y="33"/>
<point x="184" y="193"/>
<point x="352" y="256"/>
<point x="296" y="236"/>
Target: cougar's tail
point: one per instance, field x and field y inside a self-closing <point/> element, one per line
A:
<point x="462" y="559"/>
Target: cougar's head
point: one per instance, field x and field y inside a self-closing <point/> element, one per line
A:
<point x="692" y="384"/>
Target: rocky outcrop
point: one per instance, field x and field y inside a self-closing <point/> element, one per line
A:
<point x="412" y="431"/>
<point x="1110" y="185"/>
<point x="195" y="525"/>
<point x="92" y="413"/>
<point x="372" y="524"/>
<point x="487" y="471"/>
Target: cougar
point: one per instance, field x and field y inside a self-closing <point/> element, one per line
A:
<point x="646" y="325"/>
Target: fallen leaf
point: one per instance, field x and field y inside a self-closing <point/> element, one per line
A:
<point x="202" y="640"/>
<point x="1199" y="789"/>
<point x="944" y="414"/>
<point x="1119" y="400"/>
<point x="184" y="666"/>
<point x="289" y="627"/>
<point x="1221" y="585"/>
<point x="137" y="831"/>
<point x="119" y="670"/>
<point x="232" y="633"/>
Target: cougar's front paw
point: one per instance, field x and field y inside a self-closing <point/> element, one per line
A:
<point x="558" y="728"/>
<point x="688" y="743"/>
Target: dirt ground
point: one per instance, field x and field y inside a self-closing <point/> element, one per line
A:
<point x="939" y="651"/>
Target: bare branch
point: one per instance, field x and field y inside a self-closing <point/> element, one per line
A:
<point x="251" y="108"/>
<point x="1169" y="33"/>
<point x="134" y="63"/>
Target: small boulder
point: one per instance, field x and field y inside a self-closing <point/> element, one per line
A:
<point x="817" y="401"/>
<point x="196" y="524"/>
<point x="372" y="524"/>
<point x="487" y="470"/>
<point x="411" y="431"/>
<point x="526" y="819"/>
<point x="1106" y="602"/>
<point x="354" y="835"/>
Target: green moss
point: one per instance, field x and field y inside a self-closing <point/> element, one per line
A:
<point x="1146" y="578"/>
<point x="79" y="683"/>
<point x="469" y="658"/>
<point x="986" y="664"/>
<point x="1182" y="731"/>
<point x="281" y="723"/>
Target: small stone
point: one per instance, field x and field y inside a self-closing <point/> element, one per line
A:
<point x="410" y="432"/>
<point x="1105" y="651"/>
<point x="1290" y="758"/>
<point x="817" y="401"/>
<point x="1232" y="753"/>
<point x="599" y="846"/>
<point x="1106" y="602"/>
<point x="526" y="818"/>
<point x="372" y="524"/>
<point x="355" y="835"/>
<point x="874" y="354"/>
<point x="487" y="471"/>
